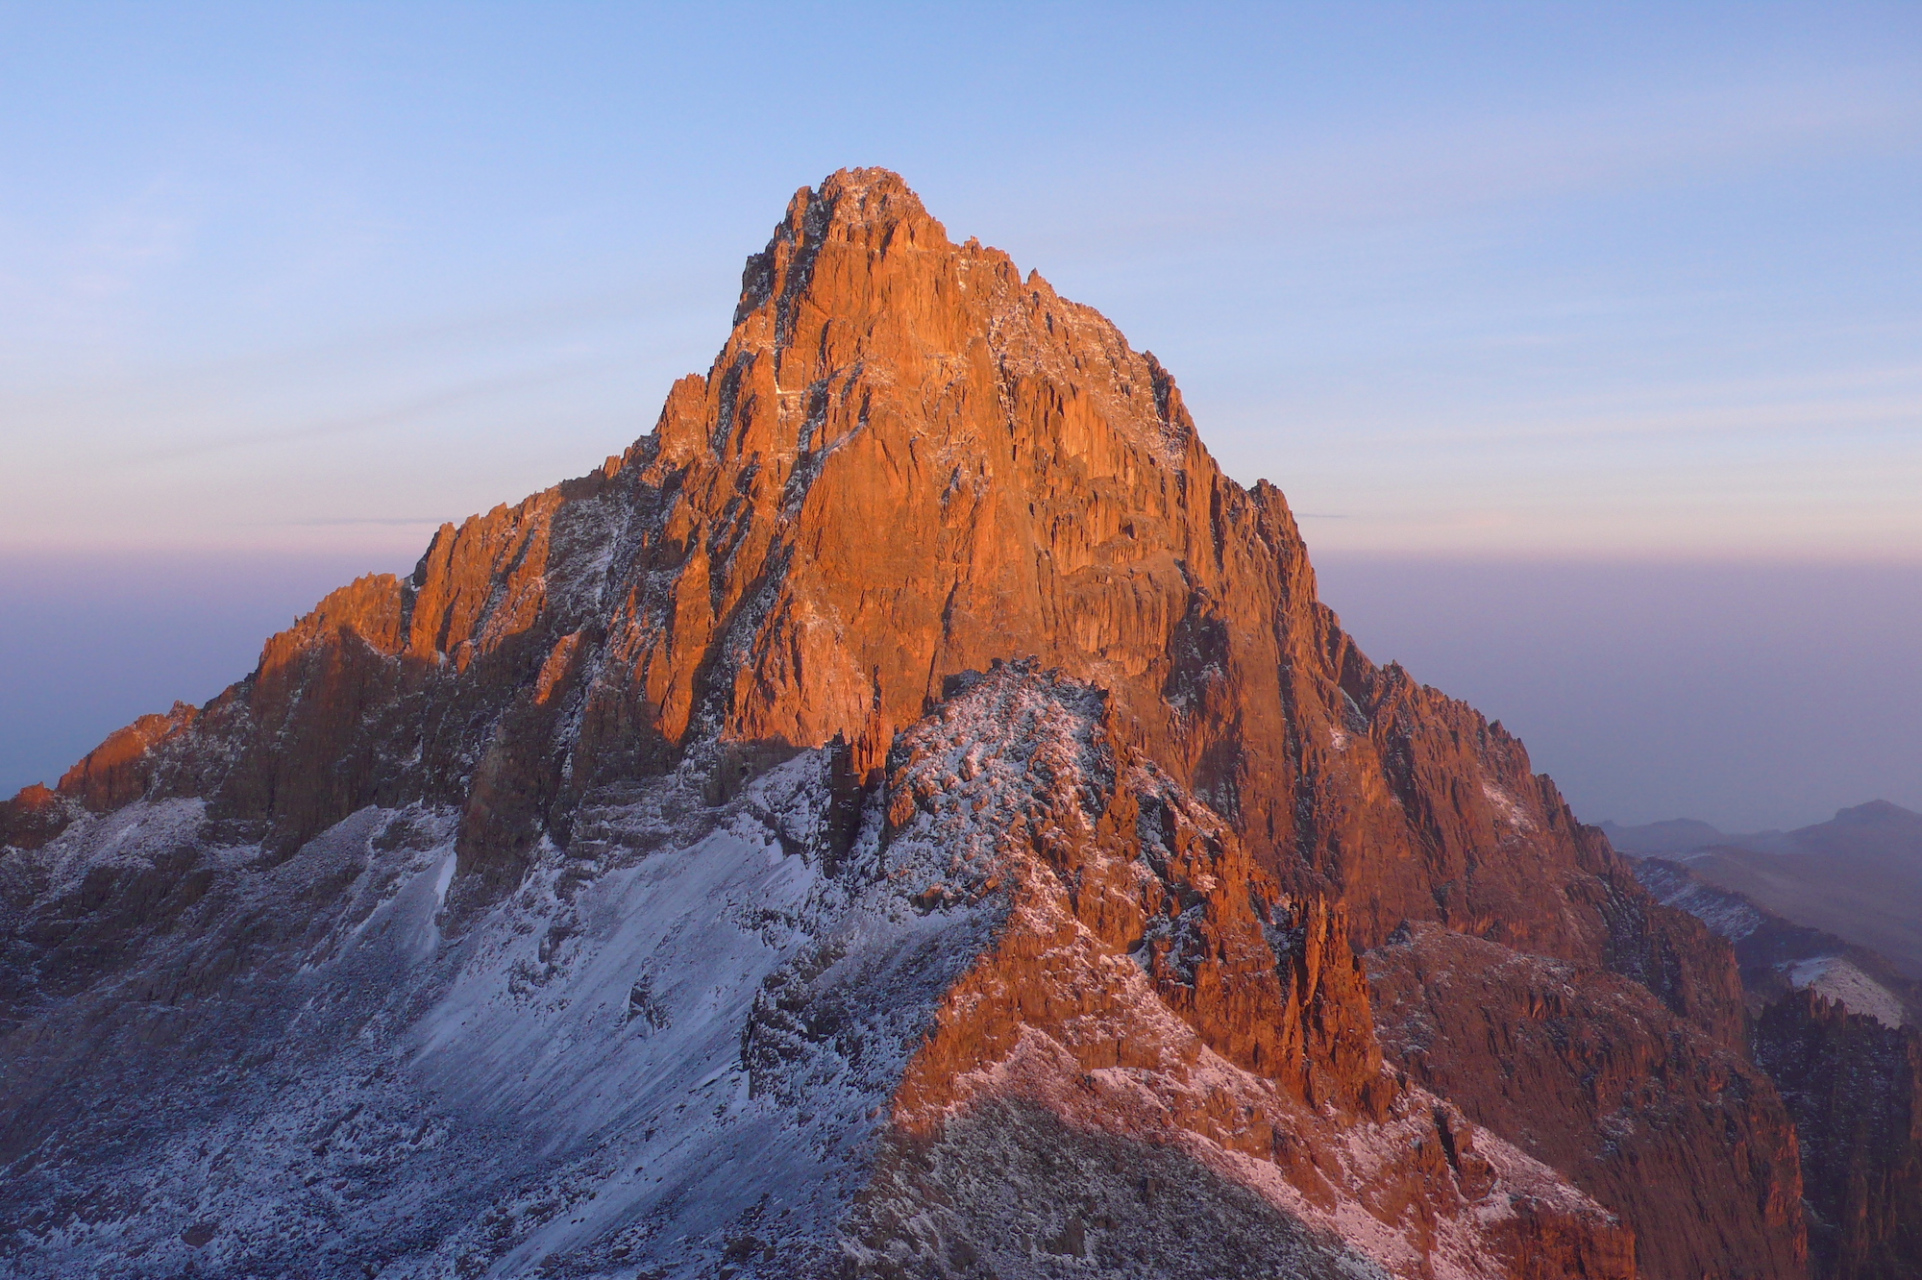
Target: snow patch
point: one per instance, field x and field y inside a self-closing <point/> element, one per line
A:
<point x="1507" y="808"/>
<point x="1837" y="978"/>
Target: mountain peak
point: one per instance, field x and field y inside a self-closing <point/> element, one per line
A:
<point x="1876" y="813"/>
<point x="613" y="767"/>
<point x="864" y="196"/>
<point x="906" y="462"/>
<point x="872" y="210"/>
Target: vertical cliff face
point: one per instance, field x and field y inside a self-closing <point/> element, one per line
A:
<point x="1835" y="1031"/>
<point x="909" y="464"/>
<point x="1589" y="1073"/>
<point x="1854" y="1086"/>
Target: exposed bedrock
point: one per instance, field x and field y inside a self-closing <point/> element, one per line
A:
<point x="906" y="462"/>
<point x="1590" y="1073"/>
<point x="909" y="463"/>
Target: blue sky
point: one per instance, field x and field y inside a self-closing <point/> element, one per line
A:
<point x="1596" y="284"/>
<point x="1608" y="279"/>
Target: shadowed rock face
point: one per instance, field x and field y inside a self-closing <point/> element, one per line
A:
<point x="1836" y="1032"/>
<point x="1854" y="1087"/>
<point x="1126" y="1202"/>
<point x="907" y="465"/>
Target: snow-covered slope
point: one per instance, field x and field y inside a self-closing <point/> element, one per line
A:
<point x="1778" y="955"/>
<point x="571" y="1079"/>
<point x="678" y="1049"/>
<point x="1839" y="979"/>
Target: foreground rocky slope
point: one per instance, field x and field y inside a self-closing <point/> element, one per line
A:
<point x="669" y="818"/>
<point x="737" y="1033"/>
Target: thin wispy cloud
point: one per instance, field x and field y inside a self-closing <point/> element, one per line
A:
<point x="326" y="522"/>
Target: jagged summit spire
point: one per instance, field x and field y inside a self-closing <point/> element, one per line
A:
<point x="859" y="201"/>
<point x="868" y="194"/>
<point x="872" y="209"/>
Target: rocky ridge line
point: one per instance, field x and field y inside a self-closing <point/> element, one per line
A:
<point x="717" y="596"/>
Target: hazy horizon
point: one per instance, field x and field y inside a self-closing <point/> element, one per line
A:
<point x="1747" y="696"/>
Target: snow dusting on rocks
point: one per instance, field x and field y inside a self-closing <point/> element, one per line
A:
<point x="676" y="1049"/>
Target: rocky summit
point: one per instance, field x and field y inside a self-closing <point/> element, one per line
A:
<point x="908" y="815"/>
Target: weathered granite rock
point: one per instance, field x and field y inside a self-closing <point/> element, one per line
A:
<point x="1589" y="1073"/>
<point x="908" y="463"/>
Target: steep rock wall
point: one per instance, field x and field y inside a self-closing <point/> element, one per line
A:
<point x="1854" y="1087"/>
<point x="1589" y="1073"/>
<point x="906" y="462"/>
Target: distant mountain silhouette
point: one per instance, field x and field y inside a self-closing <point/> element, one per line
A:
<point x="1858" y="875"/>
<point x="1676" y="835"/>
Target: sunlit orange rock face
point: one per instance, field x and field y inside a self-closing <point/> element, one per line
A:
<point x="1589" y="1073"/>
<point x="119" y="770"/>
<point x="910" y="462"/>
<point x="906" y="462"/>
<point x="1157" y="893"/>
<point x="1152" y="986"/>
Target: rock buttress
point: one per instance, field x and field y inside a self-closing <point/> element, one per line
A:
<point x="1590" y="1073"/>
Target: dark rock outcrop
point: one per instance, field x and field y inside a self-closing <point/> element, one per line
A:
<point x="1854" y="1087"/>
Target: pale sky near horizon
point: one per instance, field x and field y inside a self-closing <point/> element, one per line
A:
<point x="1597" y="285"/>
<point x="1603" y="280"/>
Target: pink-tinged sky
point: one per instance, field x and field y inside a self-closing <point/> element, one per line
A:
<point x="1570" y="285"/>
